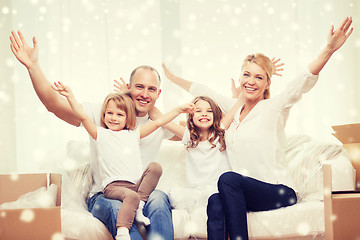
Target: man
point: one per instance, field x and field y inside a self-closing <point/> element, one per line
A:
<point x="144" y="89"/>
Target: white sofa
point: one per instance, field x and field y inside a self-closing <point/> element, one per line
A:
<point x="304" y="220"/>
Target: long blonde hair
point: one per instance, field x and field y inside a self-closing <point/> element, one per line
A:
<point x="215" y="130"/>
<point x="123" y="102"/>
<point x="265" y="63"/>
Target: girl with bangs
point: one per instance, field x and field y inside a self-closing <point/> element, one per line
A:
<point x="118" y="149"/>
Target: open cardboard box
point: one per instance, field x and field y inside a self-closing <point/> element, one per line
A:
<point x="32" y="223"/>
<point x="349" y="135"/>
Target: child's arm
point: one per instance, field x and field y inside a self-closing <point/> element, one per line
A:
<point x="77" y="108"/>
<point x="164" y="119"/>
<point x="229" y="116"/>
<point x="176" y="129"/>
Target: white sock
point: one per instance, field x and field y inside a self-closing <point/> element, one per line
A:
<point x="122" y="234"/>
<point x="139" y="216"/>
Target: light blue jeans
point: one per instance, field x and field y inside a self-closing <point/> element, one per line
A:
<point x="157" y="209"/>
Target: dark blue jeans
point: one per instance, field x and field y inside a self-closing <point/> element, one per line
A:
<point x="237" y="195"/>
<point x="157" y="209"/>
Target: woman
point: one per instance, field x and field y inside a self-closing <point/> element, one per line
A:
<point x="255" y="141"/>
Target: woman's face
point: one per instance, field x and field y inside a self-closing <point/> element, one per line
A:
<point x="253" y="82"/>
<point x="203" y="115"/>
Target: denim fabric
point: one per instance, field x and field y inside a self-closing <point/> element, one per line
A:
<point x="239" y="194"/>
<point x="157" y="209"/>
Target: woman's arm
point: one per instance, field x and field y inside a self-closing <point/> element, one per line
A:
<point x="176" y="129"/>
<point x="335" y="40"/>
<point x="185" y="84"/>
<point x="165" y="119"/>
<point x="29" y="58"/>
<point x="76" y="108"/>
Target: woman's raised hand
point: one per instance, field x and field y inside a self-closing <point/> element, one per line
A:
<point x="277" y="67"/>
<point x="167" y="72"/>
<point x="120" y="86"/>
<point x="338" y="37"/>
<point x="22" y="51"/>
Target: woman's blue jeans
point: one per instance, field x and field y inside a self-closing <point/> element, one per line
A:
<point x="157" y="209"/>
<point x="237" y="195"/>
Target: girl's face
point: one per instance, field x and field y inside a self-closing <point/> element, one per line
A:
<point x="115" y="118"/>
<point x="254" y="82"/>
<point x="203" y="115"/>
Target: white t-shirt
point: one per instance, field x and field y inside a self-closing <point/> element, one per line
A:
<point x="149" y="145"/>
<point x="119" y="155"/>
<point x="255" y="145"/>
<point x="204" y="164"/>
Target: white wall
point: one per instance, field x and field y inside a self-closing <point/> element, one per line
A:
<point x="89" y="43"/>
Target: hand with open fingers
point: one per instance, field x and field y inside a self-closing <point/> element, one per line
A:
<point x="120" y="86"/>
<point x="22" y="51"/>
<point x="277" y="67"/>
<point x="338" y="37"/>
<point x="62" y="89"/>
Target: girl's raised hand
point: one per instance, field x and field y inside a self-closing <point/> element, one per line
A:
<point x="120" y="86"/>
<point x="277" y="66"/>
<point x="62" y="89"/>
<point x="22" y="51"/>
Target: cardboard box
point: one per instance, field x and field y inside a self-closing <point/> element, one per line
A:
<point x="32" y="223"/>
<point x="349" y="135"/>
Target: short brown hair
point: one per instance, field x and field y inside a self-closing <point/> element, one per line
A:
<point x="126" y="104"/>
<point x="144" y="67"/>
<point x="265" y="63"/>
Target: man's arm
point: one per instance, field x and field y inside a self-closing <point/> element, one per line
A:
<point x="29" y="58"/>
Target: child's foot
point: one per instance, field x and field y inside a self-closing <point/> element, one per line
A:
<point x="122" y="234"/>
<point x="140" y="218"/>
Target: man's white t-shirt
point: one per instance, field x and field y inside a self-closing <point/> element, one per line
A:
<point x="204" y="164"/>
<point x="119" y="155"/>
<point x="149" y="145"/>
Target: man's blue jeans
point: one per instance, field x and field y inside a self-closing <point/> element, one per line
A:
<point x="157" y="209"/>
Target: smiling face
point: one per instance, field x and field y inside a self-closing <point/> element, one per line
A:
<point x="144" y="90"/>
<point x="254" y="82"/>
<point x="203" y="116"/>
<point x="114" y="117"/>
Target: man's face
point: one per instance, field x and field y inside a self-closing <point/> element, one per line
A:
<point x="144" y="90"/>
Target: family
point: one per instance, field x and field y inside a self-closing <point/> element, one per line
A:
<point x="234" y="145"/>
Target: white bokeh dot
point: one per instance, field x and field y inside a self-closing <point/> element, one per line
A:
<point x="27" y="215"/>
<point x="5" y="10"/>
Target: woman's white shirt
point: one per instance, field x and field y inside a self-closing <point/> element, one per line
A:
<point x="255" y="145"/>
<point x="204" y="164"/>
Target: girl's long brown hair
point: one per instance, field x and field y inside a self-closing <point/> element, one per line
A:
<point x="214" y="131"/>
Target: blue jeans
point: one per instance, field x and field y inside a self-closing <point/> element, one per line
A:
<point x="157" y="209"/>
<point x="237" y="195"/>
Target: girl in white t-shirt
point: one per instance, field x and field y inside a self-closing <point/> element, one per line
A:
<point x="117" y="144"/>
<point x="204" y="139"/>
